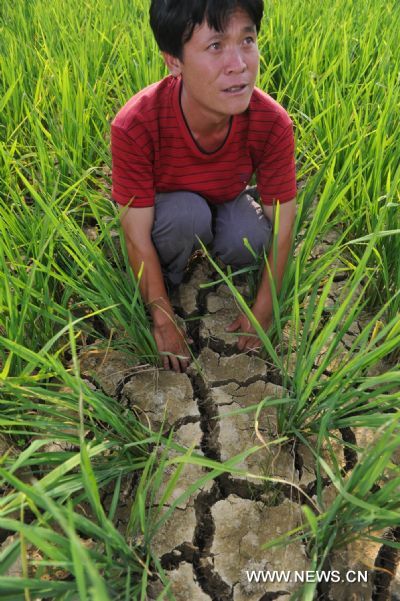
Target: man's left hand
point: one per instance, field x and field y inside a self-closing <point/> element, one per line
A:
<point x="242" y="324"/>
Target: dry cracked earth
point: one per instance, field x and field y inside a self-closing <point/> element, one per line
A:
<point x="214" y="537"/>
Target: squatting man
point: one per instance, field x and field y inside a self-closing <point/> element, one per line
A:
<point x="184" y="150"/>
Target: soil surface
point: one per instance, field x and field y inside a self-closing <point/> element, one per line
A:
<point x="213" y="538"/>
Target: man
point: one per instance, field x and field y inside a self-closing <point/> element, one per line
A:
<point x="184" y="150"/>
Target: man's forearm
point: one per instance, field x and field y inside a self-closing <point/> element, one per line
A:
<point x="169" y="338"/>
<point x="263" y="303"/>
<point x="151" y="283"/>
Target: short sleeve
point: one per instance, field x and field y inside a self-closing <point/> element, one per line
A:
<point x="132" y="169"/>
<point x="276" y="173"/>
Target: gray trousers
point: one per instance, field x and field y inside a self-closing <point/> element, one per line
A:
<point x="182" y="216"/>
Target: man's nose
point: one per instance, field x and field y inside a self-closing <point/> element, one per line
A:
<point x="235" y="62"/>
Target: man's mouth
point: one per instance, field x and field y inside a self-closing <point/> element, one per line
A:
<point x="235" y="89"/>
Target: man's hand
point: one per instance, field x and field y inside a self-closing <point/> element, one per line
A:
<point x="262" y="308"/>
<point x="172" y="346"/>
<point x="170" y="339"/>
<point x="242" y="324"/>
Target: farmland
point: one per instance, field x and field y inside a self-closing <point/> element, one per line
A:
<point x="75" y="337"/>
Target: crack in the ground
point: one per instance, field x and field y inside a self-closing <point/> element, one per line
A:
<point x="350" y="454"/>
<point x="119" y="390"/>
<point x="386" y="562"/>
<point x="273" y="596"/>
<point x="198" y="552"/>
<point x="185" y="552"/>
<point x="205" y="528"/>
<point x="192" y="328"/>
<point x="179" y="423"/>
<point x="298" y="458"/>
<point x="210" y="581"/>
<point x="29" y="517"/>
<point x="219" y="346"/>
<point x="210" y="426"/>
<point x="241" y="383"/>
<point x="324" y="588"/>
<point x="192" y="318"/>
<point x="269" y="495"/>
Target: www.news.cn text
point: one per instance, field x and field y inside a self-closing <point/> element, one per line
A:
<point x="264" y="576"/>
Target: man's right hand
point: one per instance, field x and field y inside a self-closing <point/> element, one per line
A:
<point x="170" y="339"/>
<point x="172" y="345"/>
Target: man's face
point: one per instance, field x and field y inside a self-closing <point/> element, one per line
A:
<point x="219" y="70"/>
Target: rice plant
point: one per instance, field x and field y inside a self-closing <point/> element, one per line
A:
<point x="66" y="285"/>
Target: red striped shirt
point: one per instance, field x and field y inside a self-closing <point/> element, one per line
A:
<point x="153" y="151"/>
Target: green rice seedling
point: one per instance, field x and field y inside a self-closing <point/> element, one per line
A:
<point x="67" y="479"/>
<point x="60" y="74"/>
<point x="97" y="555"/>
<point x="63" y="75"/>
<point x="114" y="565"/>
<point x="342" y="88"/>
<point x="328" y="384"/>
<point x="68" y="409"/>
<point x="45" y="377"/>
<point x="64" y="265"/>
<point x="321" y="346"/>
<point x="366" y="500"/>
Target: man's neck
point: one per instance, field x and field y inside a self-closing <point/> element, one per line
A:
<point x="206" y="128"/>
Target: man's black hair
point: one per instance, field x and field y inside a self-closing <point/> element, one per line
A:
<point x="173" y="21"/>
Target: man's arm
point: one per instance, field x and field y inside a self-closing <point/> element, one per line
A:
<point x="137" y="225"/>
<point x="263" y="307"/>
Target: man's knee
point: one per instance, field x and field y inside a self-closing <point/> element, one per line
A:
<point x="182" y="217"/>
<point x="240" y="252"/>
<point x="243" y="232"/>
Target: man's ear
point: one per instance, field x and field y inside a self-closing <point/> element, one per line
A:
<point x="173" y="63"/>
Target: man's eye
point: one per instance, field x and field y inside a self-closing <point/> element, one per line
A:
<point x="215" y="46"/>
<point x="249" y="40"/>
